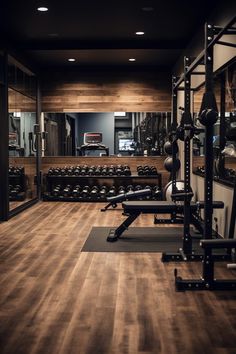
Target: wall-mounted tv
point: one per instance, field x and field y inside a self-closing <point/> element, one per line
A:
<point x="126" y="145"/>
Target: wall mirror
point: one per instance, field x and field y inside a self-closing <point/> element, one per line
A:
<point x="224" y="136"/>
<point x="121" y="133"/>
<point x="22" y="140"/>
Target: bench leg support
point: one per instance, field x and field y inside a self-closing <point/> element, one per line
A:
<point x="114" y="234"/>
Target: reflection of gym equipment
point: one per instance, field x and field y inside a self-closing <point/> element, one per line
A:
<point x="17" y="183"/>
<point x="14" y="137"/>
<point x="92" y="142"/>
<point x="34" y="140"/>
<point x="150" y="134"/>
<point x="32" y="144"/>
<point x="229" y="150"/>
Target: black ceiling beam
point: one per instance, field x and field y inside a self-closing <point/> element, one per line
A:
<point x="90" y="45"/>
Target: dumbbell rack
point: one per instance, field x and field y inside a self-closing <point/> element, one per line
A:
<point x="15" y="180"/>
<point x="90" y="181"/>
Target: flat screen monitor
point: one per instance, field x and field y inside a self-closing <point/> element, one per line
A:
<point x="126" y="145"/>
<point x="92" y="138"/>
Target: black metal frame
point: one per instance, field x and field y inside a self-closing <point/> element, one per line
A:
<point x="5" y="213"/>
<point x="186" y="252"/>
<point x="4" y="198"/>
<point x="208" y="282"/>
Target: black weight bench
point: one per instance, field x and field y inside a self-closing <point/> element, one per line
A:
<point x="135" y="208"/>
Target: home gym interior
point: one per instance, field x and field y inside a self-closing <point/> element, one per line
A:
<point x="118" y="177"/>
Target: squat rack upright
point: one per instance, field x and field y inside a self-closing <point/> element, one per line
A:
<point x="208" y="116"/>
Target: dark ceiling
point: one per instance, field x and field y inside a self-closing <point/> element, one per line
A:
<point x="98" y="33"/>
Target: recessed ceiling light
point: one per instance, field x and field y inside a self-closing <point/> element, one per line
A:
<point x="132" y="59"/>
<point x="53" y="34"/>
<point x="42" y="9"/>
<point x="139" y="33"/>
<point x="71" y="59"/>
<point x="147" y="8"/>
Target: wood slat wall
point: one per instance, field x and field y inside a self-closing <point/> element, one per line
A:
<point x="20" y="103"/>
<point x="106" y="92"/>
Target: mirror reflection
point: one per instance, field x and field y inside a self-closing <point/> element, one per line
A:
<point x="22" y="140"/>
<point x="105" y="134"/>
<point x="224" y="135"/>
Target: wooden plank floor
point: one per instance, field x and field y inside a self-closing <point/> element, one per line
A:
<point x="55" y="299"/>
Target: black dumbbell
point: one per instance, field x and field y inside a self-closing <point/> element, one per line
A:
<point x="18" y="188"/>
<point x="97" y="170"/>
<point x="153" y="170"/>
<point x="76" y="171"/>
<point x="200" y="169"/>
<point x="111" y="192"/>
<point x="121" y="190"/>
<point x="104" y="170"/>
<point x="56" y="171"/>
<point x="111" y="170"/>
<point x="21" y="170"/>
<point x="91" y="171"/>
<point x="119" y="170"/>
<point x="127" y="171"/>
<point x="147" y="170"/>
<point x="56" y="191"/>
<point x="147" y="187"/>
<point x="76" y="191"/>
<point x="138" y="187"/>
<point x="103" y="192"/>
<point x="70" y="171"/>
<point x="140" y="170"/>
<point x="51" y="171"/>
<point x="130" y="188"/>
<point x="13" y="193"/>
<point x="94" y="192"/>
<point x="67" y="191"/>
<point x="83" y="170"/>
<point x="85" y="192"/>
<point x="156" y="193"/>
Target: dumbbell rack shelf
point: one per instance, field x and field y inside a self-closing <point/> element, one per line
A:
<point x="86" y="180"/>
